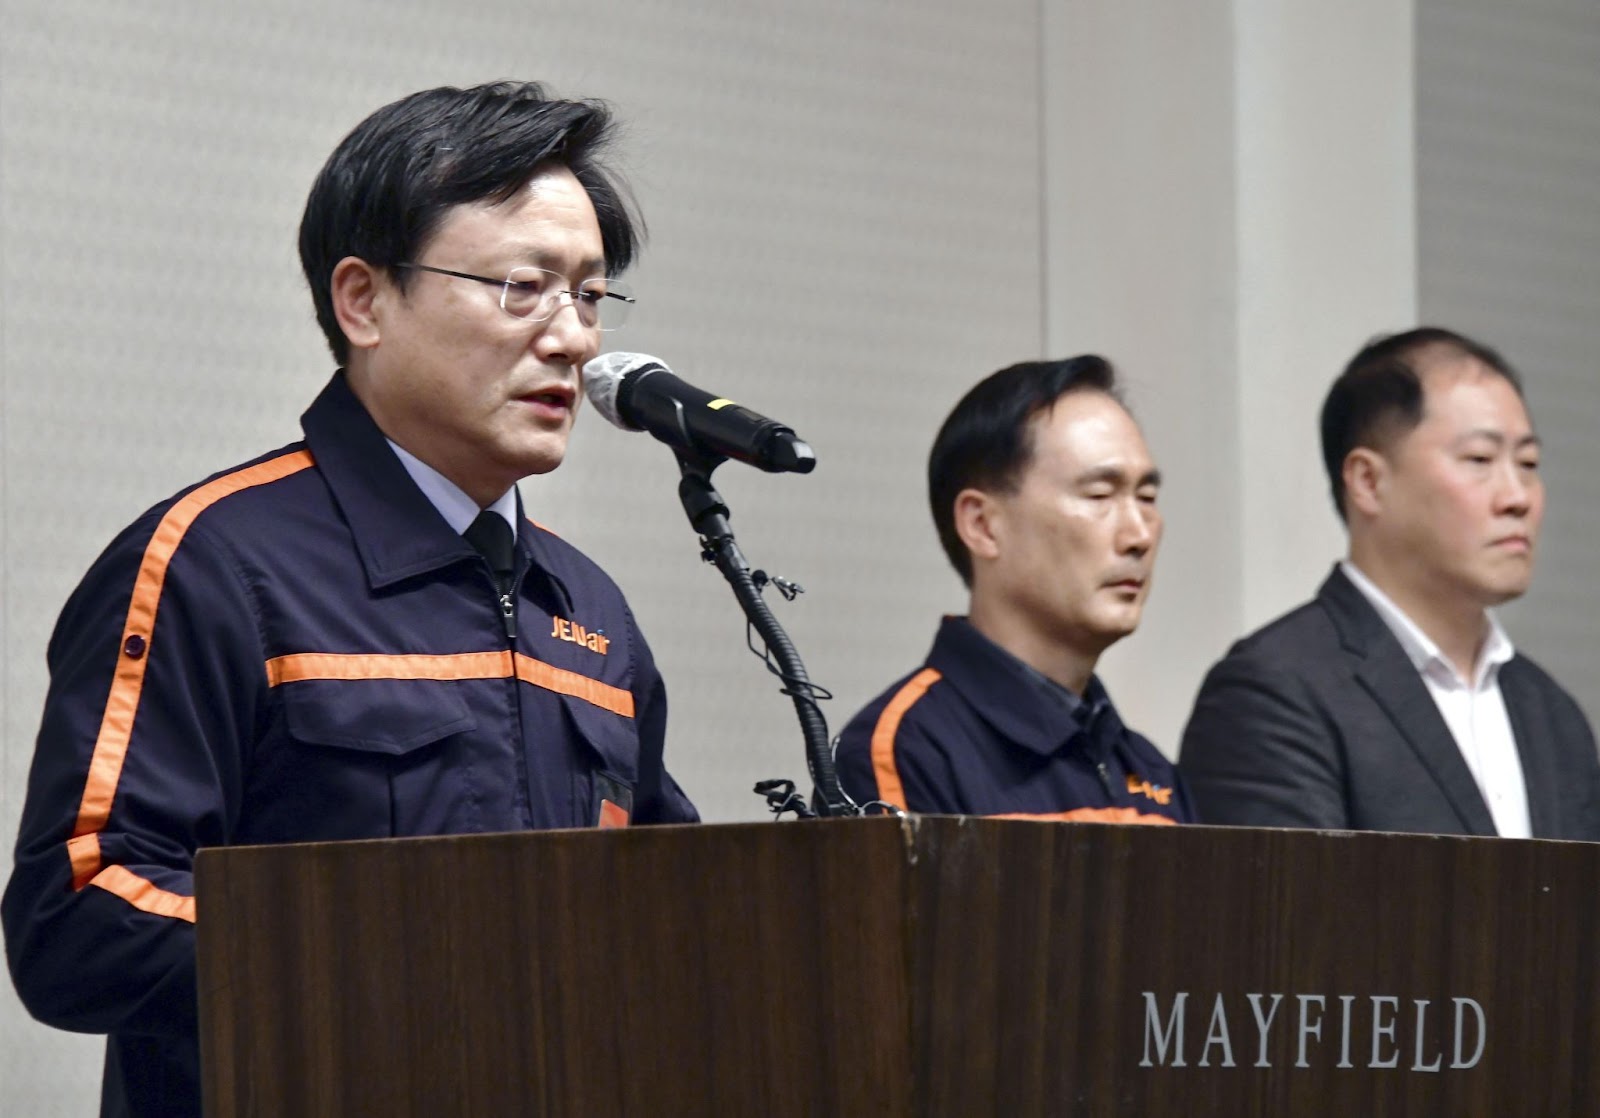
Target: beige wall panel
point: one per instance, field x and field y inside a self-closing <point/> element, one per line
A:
<point x="1327" y="257"/>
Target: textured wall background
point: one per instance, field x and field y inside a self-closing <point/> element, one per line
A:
<point x="843" y="199"/>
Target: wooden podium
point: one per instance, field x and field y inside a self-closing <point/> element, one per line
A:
<point x="927" y="966"/>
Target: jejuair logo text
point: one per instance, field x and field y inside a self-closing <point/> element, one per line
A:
<point x="595" y="640"/>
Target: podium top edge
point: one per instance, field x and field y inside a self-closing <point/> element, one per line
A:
<point x="912" y="825"/>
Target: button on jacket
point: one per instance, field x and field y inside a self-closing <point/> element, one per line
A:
<point x="301" y="649"/>
<point x="977" y="732"/>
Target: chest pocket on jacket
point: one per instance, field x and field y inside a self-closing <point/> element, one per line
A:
<point x="370" y="758"/>
<point x="375" y="715"/>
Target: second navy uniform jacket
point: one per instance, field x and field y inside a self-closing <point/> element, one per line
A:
<point x="977" y="732"/>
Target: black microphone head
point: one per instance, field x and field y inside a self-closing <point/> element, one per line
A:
<point x="603" y="377"/>
<point x="789" y="453"/>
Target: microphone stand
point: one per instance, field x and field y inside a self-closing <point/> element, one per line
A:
<point x="708" y="515"/>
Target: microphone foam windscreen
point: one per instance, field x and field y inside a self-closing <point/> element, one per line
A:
<point x="603" y="376"/>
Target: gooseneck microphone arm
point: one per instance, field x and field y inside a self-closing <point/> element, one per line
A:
<point x="636" y="392"/>
<point x="708" y="514"/>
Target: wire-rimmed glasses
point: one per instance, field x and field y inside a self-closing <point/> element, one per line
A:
<point x="534" y="294"/>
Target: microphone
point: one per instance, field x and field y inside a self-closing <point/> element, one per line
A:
<point x="637" y="392"/>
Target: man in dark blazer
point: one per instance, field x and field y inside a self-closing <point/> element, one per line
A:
<point x="1393" y="701"/>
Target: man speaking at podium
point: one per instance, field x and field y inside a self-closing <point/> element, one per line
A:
<point x="360" y="635"/>
<point x="1044" y="496"/>
<point x="1394" y="701"/>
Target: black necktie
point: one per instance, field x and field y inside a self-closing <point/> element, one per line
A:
<point x="491" y="535"/>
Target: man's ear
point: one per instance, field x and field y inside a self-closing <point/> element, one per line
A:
<point x="1366" y="480"/>
<point x="355" y="289"/>
<point x="978" y="523"/>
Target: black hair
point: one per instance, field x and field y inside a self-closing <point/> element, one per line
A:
<point x="987" y="441"/>
<point x="390" y="182"/>
<point x="1379" y="395"/>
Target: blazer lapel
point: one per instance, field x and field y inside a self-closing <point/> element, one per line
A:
<point x="1387" y="673"/>
<point x="1530" y="727"/>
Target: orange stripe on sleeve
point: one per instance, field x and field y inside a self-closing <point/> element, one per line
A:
<point x="84" y="853"/>
<point x="890" y="789"/>
<point x="1092" y="815"/>
<point x="143" y="895"/>
<point x="122" y="704"/>
<point x="465" y="665"/>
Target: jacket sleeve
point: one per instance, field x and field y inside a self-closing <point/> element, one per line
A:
<point x="1562" y="739"/>
<point x="156" y="679"/>
<point x="1585" y="824"/>
<point x="912" y="773"/>
<point x="1258" y="753"/>
<point x="852" y="763"/>
<point x="658" y="799"/>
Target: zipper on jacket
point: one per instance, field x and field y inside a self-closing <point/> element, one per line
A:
<point x="508" y="610"/>
<point x="508" y="613"/>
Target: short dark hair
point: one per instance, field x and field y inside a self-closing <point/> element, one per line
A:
<point x="390" y="182"/>
<point x="987" y="441"/>
<point x="1379" y="395"/>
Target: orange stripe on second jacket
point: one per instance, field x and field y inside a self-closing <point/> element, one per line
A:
<point x="1092" y="815"/>
<point x="122" y="704"/>
<point x="890" y="790"/>
<point x="465" y="665"/>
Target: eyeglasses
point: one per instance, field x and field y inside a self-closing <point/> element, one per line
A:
<point x="535" y="294"/>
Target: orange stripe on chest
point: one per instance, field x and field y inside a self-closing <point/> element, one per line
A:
<point x="464" y="665"/>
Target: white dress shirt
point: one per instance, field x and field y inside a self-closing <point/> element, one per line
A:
<point x="458" y="509"/>
<point x="1475" y="710"/>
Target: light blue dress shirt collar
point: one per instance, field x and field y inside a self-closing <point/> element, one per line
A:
<point x="458" y="509"/>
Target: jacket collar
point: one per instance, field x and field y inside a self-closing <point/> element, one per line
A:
<point x="1384" y="669"/>
<point x="458" y="509"/>
<point x="398" y="532"/>
<point x="1020" y="704"/>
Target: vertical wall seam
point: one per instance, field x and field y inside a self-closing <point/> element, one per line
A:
<point x="7" y="784"/>
<point x="1042" y="103"/>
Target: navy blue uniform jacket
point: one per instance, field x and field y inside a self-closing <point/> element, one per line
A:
<point x="300" y="649"/>
<point x="977" y="732"/>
